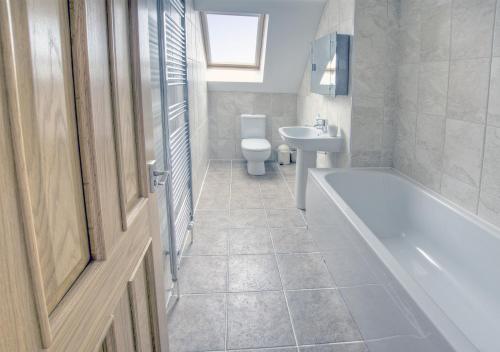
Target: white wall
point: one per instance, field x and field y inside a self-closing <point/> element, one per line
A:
<point x="197" y="87"/>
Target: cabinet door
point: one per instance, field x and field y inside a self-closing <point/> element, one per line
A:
<point x="80" y="255"/>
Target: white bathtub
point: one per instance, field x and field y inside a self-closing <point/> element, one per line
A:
<point x="430" y="256"/>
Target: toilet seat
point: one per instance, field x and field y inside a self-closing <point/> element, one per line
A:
<point x="255" y="144"/>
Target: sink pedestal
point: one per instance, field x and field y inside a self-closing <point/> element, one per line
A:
<point x="307" y="140"/>
<point x="305" y="160"/>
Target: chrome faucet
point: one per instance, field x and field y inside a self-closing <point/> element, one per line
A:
<point x="321" y="124"/>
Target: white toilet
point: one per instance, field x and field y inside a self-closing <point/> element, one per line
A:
<point x="255" y="147"/>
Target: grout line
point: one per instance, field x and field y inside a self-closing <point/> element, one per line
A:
<point x="201" y="188"/>
<point x="336" y="288"/>
<point x="228" y="242"/>
<point x="481" y="171"/>
<point x="281" y="278"/>
<point x="441" y="171"/>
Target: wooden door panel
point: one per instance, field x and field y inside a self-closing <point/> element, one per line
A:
<point x="122" y="322"/>
<point x="102" y="292"/>
<point x="142" y="294"/>
<point x="50" y="144"/>
<point x="124" y="113"/>
<point x="94" y="108"/>
<point x="14" y="268"/>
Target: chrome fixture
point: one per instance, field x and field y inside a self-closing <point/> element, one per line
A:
<point x="321" y="124"/>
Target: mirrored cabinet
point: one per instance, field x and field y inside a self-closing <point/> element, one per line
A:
<point x="330" y="65"/>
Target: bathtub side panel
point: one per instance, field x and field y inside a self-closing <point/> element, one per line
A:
<point x="357" y="270"/>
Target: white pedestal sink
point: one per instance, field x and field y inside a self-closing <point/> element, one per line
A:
<point x="308" y="141"/>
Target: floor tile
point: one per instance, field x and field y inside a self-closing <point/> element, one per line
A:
<point x="293" y="240"/>
<point x="246" y="201"/>
<point x="300" y="271"/>
<point x="219" y="165"/>
<point x="215" y="202"/>
<point x="213" y="178"/>
<point x="244" y="190"/>
<point x="408" y="344"/>
<point x="285" y="201"/>
<point x="289" y="169"/>
<point x="272" y="167"/>
<point x="207" y="241"/>
<point x="215" y="189"/>
<point x="197" y="323"/>
<point x="250" y="241"/>
<point x="253" y="273"/>
<point x="218" y="219"/>
<point x="245" y="181"/>
<point x="375" y="312"/>
<point x="285" y="218"/>
<point x="258" y="319"/>
<point x="321" y="316"/>
<point x="348" y="269"/>
<point x="239" y="164"/>
<point x="339" y="347"/>
<point x="248" y="218"/>
<point x="277" y="349"/>
<point x="271" y="179"/>
<point x="203" y="274"/>
<point x="274" y="190"/>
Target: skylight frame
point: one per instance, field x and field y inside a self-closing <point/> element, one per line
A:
<point x="259" y="43"/>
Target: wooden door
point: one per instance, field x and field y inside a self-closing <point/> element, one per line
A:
<point x="80" y="261"/>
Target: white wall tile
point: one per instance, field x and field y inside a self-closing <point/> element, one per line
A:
<point x="469" y="96"/>
<point x="472" y="28"/>
<point x="429" y="150"/>
<point x="408" y="86"/>
<point x="496" y="40"/>
<point x="463" y="151"/>
<point x="460" y="193"/>
<point x="489" y="202"/>
<point x="468" y="90"/>
<point x="433" y="88"/>
<point x="494" y="99"/>
<point x="225" y="111"/>
<point x="435" y="32"/>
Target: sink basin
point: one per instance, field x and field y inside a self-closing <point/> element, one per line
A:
<point x="310" y="139"/>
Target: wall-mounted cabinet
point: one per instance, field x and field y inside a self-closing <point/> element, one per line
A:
<point x="330" y="65"/>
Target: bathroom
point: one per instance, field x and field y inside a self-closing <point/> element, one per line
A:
<point x="250" y="175"/>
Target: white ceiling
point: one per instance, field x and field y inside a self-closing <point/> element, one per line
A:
<point x="292" y="27"/>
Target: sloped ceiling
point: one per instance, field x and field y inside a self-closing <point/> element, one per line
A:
<point x="292" y="27"/>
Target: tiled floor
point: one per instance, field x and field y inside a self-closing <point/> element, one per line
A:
<point x="256" y="279"/>
<point x="253" y="278"/>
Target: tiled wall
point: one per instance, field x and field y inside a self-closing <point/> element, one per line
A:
<point x="225" y="108"/>
<point x="448" y="130"/>
<point x="338" y="15"/>
<point x="373" y="83"/>
<point x="197" y="88"/>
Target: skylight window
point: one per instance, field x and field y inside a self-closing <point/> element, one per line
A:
<point x="233" y="40"/>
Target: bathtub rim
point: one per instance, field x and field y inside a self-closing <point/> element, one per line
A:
<point x="444" y="325"/>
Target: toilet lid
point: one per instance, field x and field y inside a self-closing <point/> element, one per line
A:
<point x="256" y="144"/>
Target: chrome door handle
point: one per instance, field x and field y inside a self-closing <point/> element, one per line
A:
<point x="161" y="176"/>
<point x="157" y="178"/>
